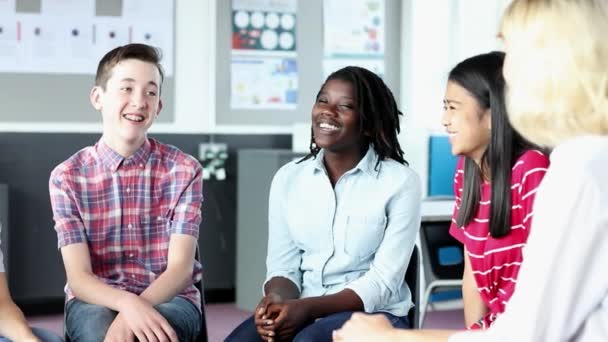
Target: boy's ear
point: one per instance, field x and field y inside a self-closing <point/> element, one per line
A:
<point x="160" y="106"/>
<point x="95" y="97"/>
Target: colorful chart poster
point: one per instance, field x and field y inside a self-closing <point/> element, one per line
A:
<point x="264" y="72"/>
<point x="264" y="25"/>
<point x="358" y="29"/>
<point x="356" y="37"/>
<point x="264" y="83"/>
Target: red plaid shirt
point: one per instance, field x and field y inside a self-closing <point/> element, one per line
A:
<point x="126" y="210"/>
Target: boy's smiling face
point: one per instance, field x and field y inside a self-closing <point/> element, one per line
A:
<point x="129" y="104"/>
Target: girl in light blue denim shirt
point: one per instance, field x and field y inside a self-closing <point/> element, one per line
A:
<point x="342" y="221"/>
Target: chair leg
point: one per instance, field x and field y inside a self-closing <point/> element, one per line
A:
<point x="424" y="304"/>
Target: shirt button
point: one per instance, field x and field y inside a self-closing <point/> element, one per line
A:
<point x="128" y="190"/>
<point x="130" y="226"/>
<point x="159" y="218"/>
<point x="141" y="165"/>
<point x="133" y="276"/>
<point x="130" y="255"/>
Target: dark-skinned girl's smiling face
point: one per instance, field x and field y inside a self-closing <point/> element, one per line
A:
<point x="335" y="118"/>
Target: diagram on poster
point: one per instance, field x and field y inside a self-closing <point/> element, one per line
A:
<point x="270" y="82"/>
<point x="70" y="36"/>
<point x="264" y="70"/>
<point x="355" y="38"/>
<point x="264" y="25"/>
<point x="358" y="30"/>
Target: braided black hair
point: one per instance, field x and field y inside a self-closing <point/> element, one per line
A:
<point x="378" y="113"/>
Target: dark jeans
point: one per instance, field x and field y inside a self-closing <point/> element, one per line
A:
<point x="318" y="331"/>
<point x="90" y="323"/>
<point x="42" y="334"/>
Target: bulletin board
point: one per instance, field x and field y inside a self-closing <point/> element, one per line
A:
<point x="309" y="59"/>
<point x="56" y="89"/>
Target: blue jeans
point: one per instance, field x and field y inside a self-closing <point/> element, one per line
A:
<point x="318" y="331"/>
<point x="89" y="322"/>
<point x="42" y="334"/>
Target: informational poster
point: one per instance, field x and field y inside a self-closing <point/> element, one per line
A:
<point x="356" y="36"/>
<point x="264" y="25"/>
<point x="264" y="71"/>
<point x="69" y="37"/>
<point x="269" y="82"/>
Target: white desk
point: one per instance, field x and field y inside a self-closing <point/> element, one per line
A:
<point x="436" y="210"/>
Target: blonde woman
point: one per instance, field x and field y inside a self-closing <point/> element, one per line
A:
<point x="557" y="73"/>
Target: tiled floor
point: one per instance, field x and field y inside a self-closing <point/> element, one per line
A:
<point x="222" y="318"/>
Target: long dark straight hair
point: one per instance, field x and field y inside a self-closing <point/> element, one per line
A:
<point x="378" y="113"/>
<point x="482" y="77"/>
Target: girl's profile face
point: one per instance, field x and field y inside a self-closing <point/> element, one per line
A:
<point x="466" y="123"/>
<point x="335" y="119"/>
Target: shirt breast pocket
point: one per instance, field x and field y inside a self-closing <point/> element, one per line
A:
<point x="363" y="235"/>
<point x="155" y="235"/>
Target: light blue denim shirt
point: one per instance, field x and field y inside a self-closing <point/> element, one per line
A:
<point x="358" y="235"/>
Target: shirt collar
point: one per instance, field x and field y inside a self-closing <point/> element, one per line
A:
<point x="366" y="164"/>
<point x="113" y="160"/>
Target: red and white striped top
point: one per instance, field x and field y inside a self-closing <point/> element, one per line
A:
<point x="495" y="262"/>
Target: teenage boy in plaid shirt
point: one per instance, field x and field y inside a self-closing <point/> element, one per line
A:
<point x="127" y="215"/>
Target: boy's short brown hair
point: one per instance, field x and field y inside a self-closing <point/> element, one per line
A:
<point x="142" y="52"/>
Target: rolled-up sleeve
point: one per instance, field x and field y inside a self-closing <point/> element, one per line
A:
<point x="387" y="271"/>
<point x="187" y="185"/>
<point x="284" y="257"/>
<point x="68" y="223"/>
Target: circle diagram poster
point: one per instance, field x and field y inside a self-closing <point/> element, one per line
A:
<point x="264" y="25"/>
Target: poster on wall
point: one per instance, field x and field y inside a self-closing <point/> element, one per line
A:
<point x="358" y="30"/>
<point x="70" y="36"/>
<point x="264" y="71"/>
<point x="355" y="37"/>
<point x="264" y="25"/>
<point x="267" y="82"/>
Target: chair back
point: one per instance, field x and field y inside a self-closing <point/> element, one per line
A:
<point x="442" y="253"/>
<point x="412" y="279"/>
<point x="203" y="335"/>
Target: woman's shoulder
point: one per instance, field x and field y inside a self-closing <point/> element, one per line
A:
<point x="530" y="159"/>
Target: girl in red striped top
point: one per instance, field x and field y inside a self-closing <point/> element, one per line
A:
<point x="495" y="184"/>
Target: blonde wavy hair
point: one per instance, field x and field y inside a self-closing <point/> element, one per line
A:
<point x="557" y="68"/>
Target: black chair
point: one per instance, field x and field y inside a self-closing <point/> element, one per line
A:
<point x="203" y="335"/>
<point x="412" y="279"/>
<point x="435" y="239"/>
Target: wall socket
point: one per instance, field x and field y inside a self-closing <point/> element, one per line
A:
<point x="213" y="157"/>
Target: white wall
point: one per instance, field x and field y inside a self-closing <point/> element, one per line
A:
<point x="436" y="35"/>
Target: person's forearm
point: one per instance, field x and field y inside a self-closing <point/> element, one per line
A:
<point x="474" y="307"/>
<point x="88" y="288"/>
<point x="13" y="324"/>
<point x="345" y="300"/>
<point x="282" y="287"/>
<point x="168" y="285"/>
